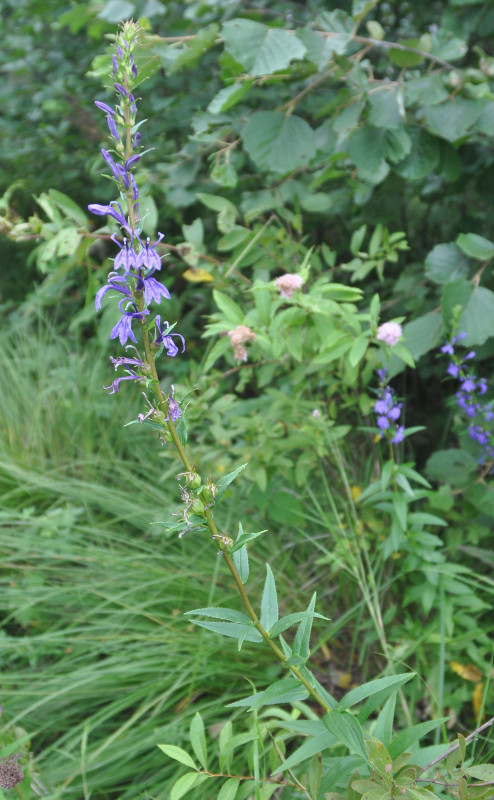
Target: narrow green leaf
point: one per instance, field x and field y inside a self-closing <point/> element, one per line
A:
<point x="404" y="740"/>
<point x="291" y="619"/>
<point x="361" y="692"/>
<point x="286" y="690"/>
<point x="228" y="614"/>
<point x="312" y="746"/>
<point x="231" y="629"/>
<point x="185" y="784"/>
<point x="346" y="730"/>
<point x="269" y="603"/>
<point x="482" y="772"/>
<point x="302" y="638"/>
<point x="229" y="789"/>
<point x="228" y="307"/>
<point x="226" y="480"/>
<point x="172" y="751"/>
<point x="198" y="739"/>
<point x="241" y="562"/>
<point x="243" y="538"/>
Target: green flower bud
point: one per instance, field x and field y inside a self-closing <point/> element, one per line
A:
<point x="207" y="494"/>
<point x="197" y="506"/>
<point x="195" y="481"/>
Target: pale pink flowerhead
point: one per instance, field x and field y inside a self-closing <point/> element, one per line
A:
<point x="238" y="336"/>
<point x="389" y="333"/>
<point x="288" y="283"/>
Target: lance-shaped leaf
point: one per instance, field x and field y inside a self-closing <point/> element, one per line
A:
<point x="286" y="690"/>
<point x="198" y="739"/>
<point x="269" y="603"/>
<point x="371" y="687"/>
<point x="226" y="480"/>
<point x="301" y="642"/>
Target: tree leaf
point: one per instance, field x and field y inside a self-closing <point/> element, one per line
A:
<point x="185" y="784"/>
<point x="477" y="317"/>
<point x="229" y="789"/>
<point x="475" y="246"/>
<point x="178" y="754"/>
<point x="446" y="263"/>
<point x="452" y="119"/>
<point x="198" y="739"/>
<point x="228" y="97"/>
<point x="260" y="49"/>
<point x="278" y="142"/>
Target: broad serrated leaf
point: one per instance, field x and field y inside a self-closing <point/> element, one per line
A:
<point x="477" y="317"/>
<point x="453" y="119"/>
<point x="261" y="50"/>
<point x="446" y="263"/>
<point x="277" y="142"/>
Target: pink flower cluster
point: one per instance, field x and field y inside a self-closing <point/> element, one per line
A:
<point x="288" y="283"/>
<point x="238" y="336"/>
<point x="389" y="333"/>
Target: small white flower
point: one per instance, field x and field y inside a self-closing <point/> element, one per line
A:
<point x="389" y="333"/>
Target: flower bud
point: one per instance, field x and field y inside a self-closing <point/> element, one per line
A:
<point x="195" y="481"/>
<point x="197" y="506"/>
<point x="207" y="494"/>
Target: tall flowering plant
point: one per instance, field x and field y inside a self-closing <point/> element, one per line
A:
<point x="141" y="330"/>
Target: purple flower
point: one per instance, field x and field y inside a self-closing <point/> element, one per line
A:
<point x="104" y="107"/>
<point x="468" y="385"/>
<point x="154" y="290"/>
<point x="167" y="338"/>
<point x="113" y="283"/>
<point x="121" y="89"/>
<point x="131" y="161"/>
<point x="174" y="409"/>
<point x="112" y="127"/>
<point x="123" y="328"/>
<point x="453" y="370"/>
<point x="132" y="376"/>
<point x="109" y="160"/>
<point x="123" y="174"/>
<point x="127" y="257"/>
<point x="96" y="208"/>
<point x="388" y="411"/>
<point x="148" y="257"/>
<point x="133" y="66"/>
<point x="137" y="140"/>
<point x="121" y="360"/>
<point x="399" y="435"/>
<point x="115" y="65"/>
